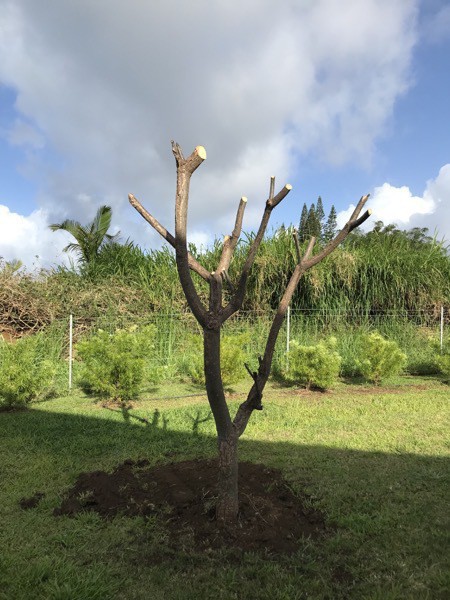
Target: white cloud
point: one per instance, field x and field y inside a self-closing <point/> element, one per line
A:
<point x="260" y="82"/>
<point x="397" y="205"/>
<point x="29" y="240"/>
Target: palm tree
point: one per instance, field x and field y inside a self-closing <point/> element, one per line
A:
<point x="89" y="238"/>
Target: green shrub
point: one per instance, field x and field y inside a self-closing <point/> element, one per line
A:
<point x="24" y="374"/>
<point x="314" y="366"/>
<point x="380" y="358"/>
<point x="232" y="359"/>
<point x="443" y="363"/>
<point x="114" y="365"/>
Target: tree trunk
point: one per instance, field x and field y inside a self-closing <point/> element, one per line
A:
<point x="227" y="502"/>
<point x="227" y="507"/>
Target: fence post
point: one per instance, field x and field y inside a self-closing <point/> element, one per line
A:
<point x="288" y="335"/>
<point x="442" y="329"/>
<point x="70" y="349"/>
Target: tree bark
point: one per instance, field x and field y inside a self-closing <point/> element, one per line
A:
<point x="214" y="385"/>
<point x="227" y="506"/>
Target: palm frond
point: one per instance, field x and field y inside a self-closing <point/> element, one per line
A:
<point x="69" y="225"/>
<point x="102" y="221"/>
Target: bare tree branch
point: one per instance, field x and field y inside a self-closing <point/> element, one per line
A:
<point x="193" y="161"/>
<point x="254" y="397"/>
<point x="280" y="196"/>
<point x="358" y="207"/>
<point x="194" y="265"/>
<point x="238" y="298"/>
<point x="252" y="374"/>
<point x="297" y="245"/>
<point x="228" y="281"/>
<point x="351" y="224"/>
<point x="309" y="249"/>
<point x="272" y="187"/>
<point x="185" y="169"/>
<point x="230" y="242"/>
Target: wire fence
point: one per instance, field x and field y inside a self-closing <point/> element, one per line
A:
<point x="174" y="331"/>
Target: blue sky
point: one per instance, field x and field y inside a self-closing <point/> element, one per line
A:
<point x="338" y="99"/>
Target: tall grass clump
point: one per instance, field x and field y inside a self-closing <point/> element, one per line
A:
<point x="386" y="269"/>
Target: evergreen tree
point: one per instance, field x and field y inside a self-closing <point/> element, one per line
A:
<point x="320" y="214"/>
<point x="302" y="224"/>
<point x="330" y="228"/>
<point x="312" y="223"/>
<point x="319" y="210"/>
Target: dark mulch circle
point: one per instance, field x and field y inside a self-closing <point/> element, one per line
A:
<point x="271" y="517"/>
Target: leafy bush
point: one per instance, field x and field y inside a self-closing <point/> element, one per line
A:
<point x="24" y="374"/>
<point x="443" y="362"/>
<point x="232" y="359"/>
<point x="314" y="366"/>
<point x="114" y="365"/>
<point x="380" y="358"/>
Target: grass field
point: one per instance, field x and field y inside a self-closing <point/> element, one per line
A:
<point x="374" y="461"/>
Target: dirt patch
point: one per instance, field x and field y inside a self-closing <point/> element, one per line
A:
<point x="182" y="494"/>
<point x="357" y="390"/>
<point x="31" y="502"/>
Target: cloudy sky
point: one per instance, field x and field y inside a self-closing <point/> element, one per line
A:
<point x="338" y="98"/>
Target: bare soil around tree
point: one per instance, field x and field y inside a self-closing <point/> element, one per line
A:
<point x="182" y="497"/>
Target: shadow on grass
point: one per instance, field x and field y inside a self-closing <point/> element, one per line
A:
<point x="385" y="507"/>
<point x="345" y="475"/>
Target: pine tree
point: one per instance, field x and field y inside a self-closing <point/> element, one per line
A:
<point x="319" y="210"/>
<point x="302" y="224"/>
<point x="312" y="223"/>
<point x="320" y="214"/>
<point x="330" y="227"/>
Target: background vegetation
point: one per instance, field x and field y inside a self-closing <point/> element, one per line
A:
<point x="388" y="280"/>
<point x="384" y="270"/>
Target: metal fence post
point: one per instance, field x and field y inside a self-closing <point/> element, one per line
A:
<point x="288" y="334"/>
<point x="442" y="329"/>
<point x="70" y="349"/>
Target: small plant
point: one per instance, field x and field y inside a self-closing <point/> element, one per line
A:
<point x="114" y="365"/>
<point x="380" y="358"/>
<point x="86" y="498"/>
<point x="314" y="366"/>
<point x="24" y="374"/>
<point x="232" y="359"/>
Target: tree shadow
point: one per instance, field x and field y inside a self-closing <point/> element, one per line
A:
<point x="387" y="503"/>
<point x="198" y="419"/>
<point x="128" y="417"/>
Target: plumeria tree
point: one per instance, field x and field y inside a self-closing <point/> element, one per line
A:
<point x="212" y="315"/>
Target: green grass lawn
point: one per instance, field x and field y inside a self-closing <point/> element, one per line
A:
<point x="374" y="461"/>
